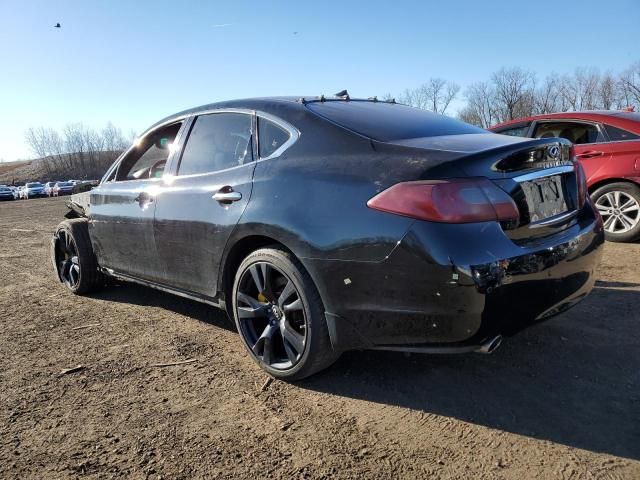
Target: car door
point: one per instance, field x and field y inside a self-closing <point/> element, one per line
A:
<point x="122" y="206"/>
<point x="589" y="139"/>
<point x="209" y="190"/>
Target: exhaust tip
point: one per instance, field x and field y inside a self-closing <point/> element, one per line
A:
<point x="490" y="345"/>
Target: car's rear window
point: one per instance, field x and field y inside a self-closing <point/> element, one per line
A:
<point x="64" y="184"/>
<point x="34" y="184"/>
<point x="387" y="121"/>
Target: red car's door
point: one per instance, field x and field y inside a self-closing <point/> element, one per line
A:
<point x="595" y="158"/>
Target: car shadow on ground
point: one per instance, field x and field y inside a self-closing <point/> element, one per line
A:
<point x="574" y="380"/>
<point x="135" y="294"/>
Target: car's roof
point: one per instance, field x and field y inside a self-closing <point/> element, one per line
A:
<point x="618" y="118"/>
<point x="275" y="105"/>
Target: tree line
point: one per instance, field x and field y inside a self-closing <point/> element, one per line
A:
<point x="77" y="151"/>
<point x="515" y="92"/>
<point x="509" y="93"/>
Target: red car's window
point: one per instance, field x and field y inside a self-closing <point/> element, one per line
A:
<point x="617" y="134"/>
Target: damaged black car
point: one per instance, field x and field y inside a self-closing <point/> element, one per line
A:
<point x="329" y="224"/>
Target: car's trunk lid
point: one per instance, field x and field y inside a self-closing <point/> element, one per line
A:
<point x="539" y="174"/>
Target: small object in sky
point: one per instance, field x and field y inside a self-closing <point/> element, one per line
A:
<point x="295" y="33"/>
<point x="57" y="25"/>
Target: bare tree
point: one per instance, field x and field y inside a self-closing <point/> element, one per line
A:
<point x="630" y="85"/>
<point x="435" y="95"/>
<point x="608" y="92"/>
<point x="513" y="95"/>
<point x="79" y="152"/>
<point x="547" y="95"/>
<point x="480" y="109"/>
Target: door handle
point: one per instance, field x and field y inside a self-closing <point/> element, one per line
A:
<point x="227" y="195"/>
<point x="589" y="154"/>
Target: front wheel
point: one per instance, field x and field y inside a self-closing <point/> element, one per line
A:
<point x="619" y="205"/>
<point x="73" y="259"/>
<point x="279" y="315"/>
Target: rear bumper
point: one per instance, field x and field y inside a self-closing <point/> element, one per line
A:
<point x="459" y="285"/>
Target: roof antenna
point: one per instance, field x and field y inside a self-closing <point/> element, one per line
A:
<point x="321" y="98"/>
<point x="343" y="94"/>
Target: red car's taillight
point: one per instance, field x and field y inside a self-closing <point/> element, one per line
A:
<point x="455" y="200"/>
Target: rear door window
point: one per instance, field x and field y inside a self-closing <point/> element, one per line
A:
<point x="270" y="137"/>
<point x="217" y="141"/>
<point x="617" y="134"/>
<point x="575" y="132"/>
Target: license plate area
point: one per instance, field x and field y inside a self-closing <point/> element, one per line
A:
<point x="545" y="197"/>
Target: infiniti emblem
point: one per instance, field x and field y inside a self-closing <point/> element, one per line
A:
<point x="554" y="152"/>
<point x="276" y="312"/>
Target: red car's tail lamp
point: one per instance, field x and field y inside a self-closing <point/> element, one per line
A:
<point x="454" y="200"/>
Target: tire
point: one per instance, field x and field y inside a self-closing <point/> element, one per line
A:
<point x="619" y="205"/>
<point x="74" y="262"/>
<point x="284" y="360"/>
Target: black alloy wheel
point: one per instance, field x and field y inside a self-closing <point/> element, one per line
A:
<point x="280" y="315"/>
<point x="66" y="259"/>
<point x="272" y="319"/>
<point x="73" y="259"/>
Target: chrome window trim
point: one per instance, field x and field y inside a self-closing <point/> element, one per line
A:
<point x="294" y="135"/>
<point x="547" y="172"/>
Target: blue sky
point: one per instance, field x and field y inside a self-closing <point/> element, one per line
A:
<point x="133" y="62"/>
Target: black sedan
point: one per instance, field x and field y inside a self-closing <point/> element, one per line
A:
<point x="328" y="224"/>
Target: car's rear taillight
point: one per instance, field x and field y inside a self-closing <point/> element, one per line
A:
<point x="455" y="200"/>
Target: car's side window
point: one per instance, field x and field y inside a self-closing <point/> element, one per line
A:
<point x="217" y="141"/>
<point x="270" y="137"/>
<point x="617" y="134"/>
<point x="148" y="159"/>
<point x="575" y="132"/>
<point x="519" y="131"/>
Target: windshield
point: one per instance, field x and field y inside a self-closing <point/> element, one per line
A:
<point x="388" y="121"/>
<point x="64" y="184"/>
<point x="34" y="184"/>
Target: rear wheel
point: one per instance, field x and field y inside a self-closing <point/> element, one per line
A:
<point x="73" y="259"/>
<point x="280" y="316"/>
<point x="619" y="205"/>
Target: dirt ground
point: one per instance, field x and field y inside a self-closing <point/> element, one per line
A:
<point x="561" y="400"/>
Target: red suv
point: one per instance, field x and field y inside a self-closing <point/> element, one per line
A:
<point x="607" y="144"/>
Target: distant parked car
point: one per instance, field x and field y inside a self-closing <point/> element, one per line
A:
<point x="33" y="190"/>
<point x="16" y="193"/>
<point x="6" y="193"/>
<point x="48" y="188"/>
<point x="62" y="188"/>
<point x="607" y="145"/>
